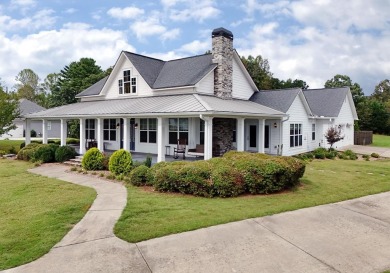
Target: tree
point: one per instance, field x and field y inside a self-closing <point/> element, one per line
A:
<point x="382" y="91"/>
<point x="28" y="84"/>
<point x="73" y="79"/>
<point x="345" y="81"/>
<point x="282" y="84"/>
<point x="259" y="69"/>
<point x="9" y="110"/>
<point x="333" y="135"/>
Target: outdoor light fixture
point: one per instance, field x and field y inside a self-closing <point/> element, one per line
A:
<point x="135" y="125"/>
<point x="117" y="125"/>
<point x="275" y="125"/>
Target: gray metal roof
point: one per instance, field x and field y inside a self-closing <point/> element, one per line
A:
<point x="28" y="107"/>
<point x="280" y="100"/>
<point x="154" y="105"/>
<point x="326" y="102"/>
<point x="93" y="89"/>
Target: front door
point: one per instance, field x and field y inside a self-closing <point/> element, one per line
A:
<point x="266" y="137"/>
<point x="121" y="132"/>
<point x="252" y="137"/>
<point x="132" y="134"/>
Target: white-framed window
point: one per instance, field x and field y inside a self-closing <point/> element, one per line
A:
<point x="128" y="84"/>
<point x="148" y="130"/>
<point x="90" y="129"/>
<point x="295" y="134"/>
<point x="201" y="132"/>
<point x="109" y="129"/>
<point x="178" y="129"/>
<point x="49" y="125"/>
<point x="313" y="131"/>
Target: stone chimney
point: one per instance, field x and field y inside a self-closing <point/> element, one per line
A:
<point x="222" y="50"/>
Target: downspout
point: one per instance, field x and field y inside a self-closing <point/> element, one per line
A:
<point x="280" y="150"/>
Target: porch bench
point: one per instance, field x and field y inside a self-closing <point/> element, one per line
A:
<point x="198" y="151"/>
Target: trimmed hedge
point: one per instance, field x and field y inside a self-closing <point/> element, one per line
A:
<point x="64" y="153"/>
<point x="26" y="152"/>
<point x="140" y="176"/>
<point x="231" y="175"/>
<point x="45" y="153"/>
<point x="120" y="162"/>
<point x="92" y="160"/>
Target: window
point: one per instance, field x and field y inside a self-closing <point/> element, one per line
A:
<point x="120" y="84"/>
<point x="313" y="131"/>
<point x="127" y="85"/>
<point x="178" y="129"/>
<point x="234" y="130"/>
<point x="201" y="132"/>
<point x="109" y="129"/>
<point x="148" y="130"/>
<point x="90" y="129"/>
<point x="295" y="135"/>
<point x="49" y="125"/>
<point x="126" y="81"/>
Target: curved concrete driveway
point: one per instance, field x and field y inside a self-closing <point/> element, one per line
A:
<point x="350" y="236"/>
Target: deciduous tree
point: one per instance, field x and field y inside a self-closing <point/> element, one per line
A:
<point x="333" y="135"/>
<point x="9" y="110"/>
<point x="345" y="81"/>
<point x="259" y="69"/>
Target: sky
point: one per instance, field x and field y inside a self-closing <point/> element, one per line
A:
<point x="311" y="40"/>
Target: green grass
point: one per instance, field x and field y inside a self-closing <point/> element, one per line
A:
<point x="151" y="214"/>
<point x="6" y="145"/>
<point x="381" y="141"/>
<point x="36" y="212"/>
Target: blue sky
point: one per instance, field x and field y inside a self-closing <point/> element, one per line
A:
<point x="307" y="39"/>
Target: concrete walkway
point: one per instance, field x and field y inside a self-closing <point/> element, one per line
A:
<point x="367" y="150"/>
<point x="350" y="236"/>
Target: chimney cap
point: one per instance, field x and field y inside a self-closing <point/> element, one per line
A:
<point x="222" y="32"/>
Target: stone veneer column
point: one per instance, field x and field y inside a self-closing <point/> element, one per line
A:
<point x="222" y="51"/>
<point x="222" y="135"/>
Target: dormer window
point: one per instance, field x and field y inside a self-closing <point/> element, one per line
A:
<point x="127" y="85"/>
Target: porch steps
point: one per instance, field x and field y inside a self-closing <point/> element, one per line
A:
<point x="76" y="162"/>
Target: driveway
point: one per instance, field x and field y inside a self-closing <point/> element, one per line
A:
<point x="350" y="236"/>
<point x="367" y="150"/>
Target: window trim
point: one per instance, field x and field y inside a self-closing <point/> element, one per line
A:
<point x="313" y="131"/>
<point x="132" y="83"/>
<point x="296" y="137"/>
<point x="89" y="129"/>
<point x="110" y="129"/>
<point x="177" y="131"/>
<point x="148" y="130"/>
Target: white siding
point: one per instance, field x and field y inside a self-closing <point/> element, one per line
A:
<point x="298" y="115"/>
<point x="241" y="87"/>
<point x="111" y="88"/>
<point x="206" y="85"/>
<point x="274" y="136"/>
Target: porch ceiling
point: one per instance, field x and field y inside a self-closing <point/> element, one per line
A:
<point x="158" y="105"/>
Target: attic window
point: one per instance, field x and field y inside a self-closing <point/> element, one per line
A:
<point x="127" y="85"/>
<point x="126" y="81"/>
<point x="120" y="84"/>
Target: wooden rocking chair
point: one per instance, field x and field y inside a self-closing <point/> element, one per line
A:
<point x="180" y="149"/>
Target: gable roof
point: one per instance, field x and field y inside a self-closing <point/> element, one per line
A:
<point x="326" y="102"/>
<point x="94" y="89"/>
<point x="171" y="105"/>
<point x="28" y="107"/>
<point x="280" y="99"/>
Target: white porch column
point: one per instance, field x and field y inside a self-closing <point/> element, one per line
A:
<point x="63" y="132"/>
<point x="281" y="137"/>
<point x="44" y="131"/>
<point x="99" y="138"/>
<point x="82" y="136"/>
<point x="208" y="137"/>
<point x="160" y="140"/>
<point x="240" y="131"/>
<point x="261" y="135"/>
<point x="126" y="134"/>
<point x="27" y="132"/>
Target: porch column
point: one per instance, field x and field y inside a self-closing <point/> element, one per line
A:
<point x="208" y="137"/>
<point x="240" y="134"/>
<point x="44" y="131"/>
<point x="27" y="132"/>
<point x="261" y="135"/>
<point x="281" y="137"/>
<point x="99" y="138"/>
<point x="126" y="134"/>
<point x="82" y="136"/>
<point x="63" y="132"/>
<point x="160" y="140"/>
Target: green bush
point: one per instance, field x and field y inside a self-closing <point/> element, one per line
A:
<point x="120" y="162"/>
<point x="320" y="153"/>
<point x="227" y="182"/>
<point x="93" y="160"/>
<point x="350" y="155"/>
<point x="27" y="152"/>
<point x="148" y="161"/>
<point x="64" y="153"/>
<point x="106" y="161"/>
<point x="375" y="155"/>
<point x="45" y="153"/>
<point x="12" y="150"/>
<point x="2" y="153"/>
<point x="140" y="176"/>
<point x="331" y="154"/>
<point x="72" y="141"/>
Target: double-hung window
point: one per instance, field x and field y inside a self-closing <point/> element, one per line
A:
<point x="109" y="129"/>
<point x="128" y="84"/>
<point x="201" y="132"/>
<point x="313" y="131"/>
<point x="295" y="135"/>
<point x="178" y="129"/>
<point x="148" y="130"/>
<point x="127" y="81"/>
<point x="90" y="129"/>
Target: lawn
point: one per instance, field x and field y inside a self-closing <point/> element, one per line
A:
<point x="381" y="141"/>
<point x="151" y="214"/>
<point x="36" y="212"/>
<point x="6" y="145"/>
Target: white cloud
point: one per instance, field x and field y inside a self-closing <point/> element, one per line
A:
<point x="23" y="3"/>
<point x="148" y="27"/>
<point x="125" y="13"/>
<point x="49" y="51"/>
<point x="195" y="10"/>
<point x="170" y="34"/>
<point x="70" y="11"/>
<point x="196" y="47"/>
<point x="42" y="19"/>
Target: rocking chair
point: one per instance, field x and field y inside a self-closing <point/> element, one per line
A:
<point x="180" y="149"/>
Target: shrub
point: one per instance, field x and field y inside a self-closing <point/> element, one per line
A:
<point x="27" y="152"/>
<point x="148" y="161"/>
<point x="93" y="160"/>
<point x="72" y="141"/>
<point x="350" y="154"/>
<point x="227" y="182"/>
<point x="342" y="156"/>
<point x="197" y="178"/>
<point x="2" y="153"/>
<point x="22" y="145"/>
<point x="120" y="162"/>
<point x="106" y="160"/>
<point x="375" y="155"/>
<point x="45" y="153"/>
<point x="64" y="153"/>
<point x="12" y="150"/>
<point x="331" y="154"/>
<point x="33" y="133"/>
<point x="140" y="176"/>
<point x="320" y="153"/>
